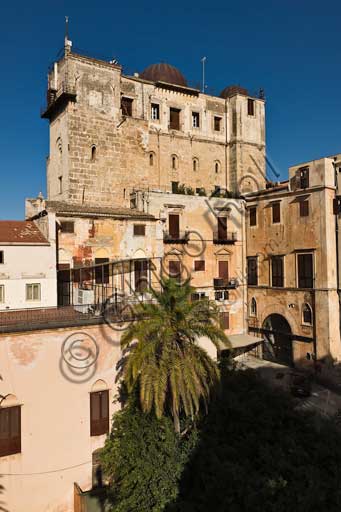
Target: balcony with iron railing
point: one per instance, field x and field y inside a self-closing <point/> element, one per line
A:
<point x="57" y="98"/>
<point x="179" y="237"/>
<point x="227" y="237"/>
<point x="221" y="283"/>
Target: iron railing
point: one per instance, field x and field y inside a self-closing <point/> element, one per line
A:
<point x="230" y="237"/>
<point x="231" y="283"/>
<point x="181" y="237"/>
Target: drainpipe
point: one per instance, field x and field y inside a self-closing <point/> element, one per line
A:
<point x="337" y="246"/>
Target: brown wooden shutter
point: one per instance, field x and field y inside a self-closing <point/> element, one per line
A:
<point x="10" y="430"/>
<point x="222" y="228"/>
<point x="174" y="268"/>
<point x="141" y="275"/>
<point x="224" y="320"/>
<point x="276" y="212"/>
<point x="223" y="269"/>
<point x="99" y="413"/>
<point x="174" y="225"/>
<point x="199" y="265"/>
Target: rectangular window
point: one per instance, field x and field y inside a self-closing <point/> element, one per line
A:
<point x="222" y="228"/>
<point x="67" y="226"/>
<point x="155" y="111"/>
<point x="250" y="107"/>
<point x="60" y="184"/>
<point x="224" y="320"/>
<point x="198" y="296"/>
<point x="127" y="106"/>
<point x="199" y="265"/>
<point x="217" y="123"/>
<point x="174" y="268"/>
<point x="174" y="226"/>
<point x="253" y="216"/>
<point x="276" y="213"/>
<point x="305" y="270"/>
<point x="141" y="275"/>
<point x="10" y="430"/>
<point x="139" y="229"/>
<point x="33" y="291"/>
<point x="174" y="118"/>
<point x="101" y="271"/>
<point x="304" y="208"/>
<point x="223" y="270"/>
<point x="2" y="259"/>
<point x="195" y="119"/>
<point x="2" y="293"/>
<point x="222" y="295"/>
<point x="277" y="271"/>
<point x="252" y="271"/>
<point x="304" y="177"/>
<point x="99" y="413"/>
<point x="175" y="187"/>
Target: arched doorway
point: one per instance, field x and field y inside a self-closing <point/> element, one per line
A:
<point x="277" y="344"/>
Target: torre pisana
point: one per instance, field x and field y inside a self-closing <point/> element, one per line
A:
<point x="111" y="133"/>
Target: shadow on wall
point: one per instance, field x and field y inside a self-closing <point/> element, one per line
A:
<point x="2" y="503"/>
<point x="258" y="452"/>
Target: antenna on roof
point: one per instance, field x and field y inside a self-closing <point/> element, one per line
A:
<point x="67" y="42"/>
<point x="203" y="61"/>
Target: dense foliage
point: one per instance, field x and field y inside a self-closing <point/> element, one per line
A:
<point x="256" y="452"/>
<point x="144" y="459"/>
<point x="174" y="374"/>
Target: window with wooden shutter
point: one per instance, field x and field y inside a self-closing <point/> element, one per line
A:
<point x="276" y="213"/>
<point x="252" y="271"/>
<point x="10" y="430"/>
<point x="303" y="173"/>
<point x="2" y="259"/>
<point x="223" y="268"/>
<point x="67" y="226"/>
<point x="224" y="320"/>
<point x="174" y="225"/>
<point x="199" y="265"/>
<point x="304" y="208"/>
<point x="139" y="229"/>
<point x="253" y="216"/>
<point x="222" y="228"/>
<point x="141" y="275"/>
<point x="217" y="122"/>
<point x="305" y="270"/>
<point x="277" y="274"/>
<point x="99" y="413"/>
<point x="174" y="118"/>
<point x="250" y="107"/>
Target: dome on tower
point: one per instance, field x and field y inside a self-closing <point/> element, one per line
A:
<point x="164" y="72"/>
<point x="232" y="90"/>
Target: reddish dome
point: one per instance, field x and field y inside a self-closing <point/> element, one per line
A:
<point x="164" y="72"/>
<point x="232" y="90"/>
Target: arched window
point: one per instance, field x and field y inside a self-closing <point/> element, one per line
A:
<point x="93" y="153"/>
<point x="195" y="164"/>
<point x="216" y="167"/>
<point x="151" y="158"/>
<point x="174" y="162"/>
<point x="253" y="307"/>
<point x="307" y="314"/>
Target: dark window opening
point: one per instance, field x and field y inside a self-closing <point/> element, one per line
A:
<point x="93" y="153"/>
<point x="304" y="177"/>
<point x="253" y="307"/>
<point x="127" y="106"/>
<point x="198" y="296"/>
<point x="2" y="260"/>
<point x="250" y="107"/>
<point x="277" y="271"/>
<point x="224" y="320"/>
<point x="67" y="226"/>
<point x="199" y="265"/>
<point x="10" y="430"/>
<point x="60" y="184"/>
<point x="139" y="229"/>
<point x="222" y="295"/>
<point x="222" y="228"/>
<point x="307" y="314"/>
<point x="174" y="118"/>
<point x="195" y="164"/>
<point x="141" y="275"/>
<point x="276" y="213"/>
<point x="216" y="168"/>
<point x="175" y="187"/>
<point x="151" y="159"/>
<point x="195" y="120"/>
<point x="253" y="216"/>
<point x="102" y="271"/>
<point x="174" y="162"/>
<point x="99" y="413"/>
<point x="217" y="123"/>
<point x="305" y="270"/>
<point x="252" y="271"/>
<point x="174" y="268"/>
<point x="155" y="111"/>
<point x="304" y="208"/>
<point x="174" y="226"/>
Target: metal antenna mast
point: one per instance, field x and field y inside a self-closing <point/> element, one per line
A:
<point x="203" y="60"/>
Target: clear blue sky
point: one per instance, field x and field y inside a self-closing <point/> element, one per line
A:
<point x="290" y="48"/>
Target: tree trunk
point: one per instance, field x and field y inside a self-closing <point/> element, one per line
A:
<point x="176" y="423"/>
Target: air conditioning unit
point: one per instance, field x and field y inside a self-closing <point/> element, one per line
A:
<point x="85" y="300"/>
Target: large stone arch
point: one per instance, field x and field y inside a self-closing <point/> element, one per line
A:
<point x="277" y="344"/>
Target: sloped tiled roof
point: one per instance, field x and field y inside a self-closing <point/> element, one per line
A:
<point x="61" y="207"/>
<point x="21" y="232"/>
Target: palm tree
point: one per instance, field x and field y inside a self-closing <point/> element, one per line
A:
<point x="172" y="372"/>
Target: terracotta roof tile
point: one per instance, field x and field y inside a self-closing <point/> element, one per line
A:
<point x="20" y="232"/>
<point x="61" y="207"/>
